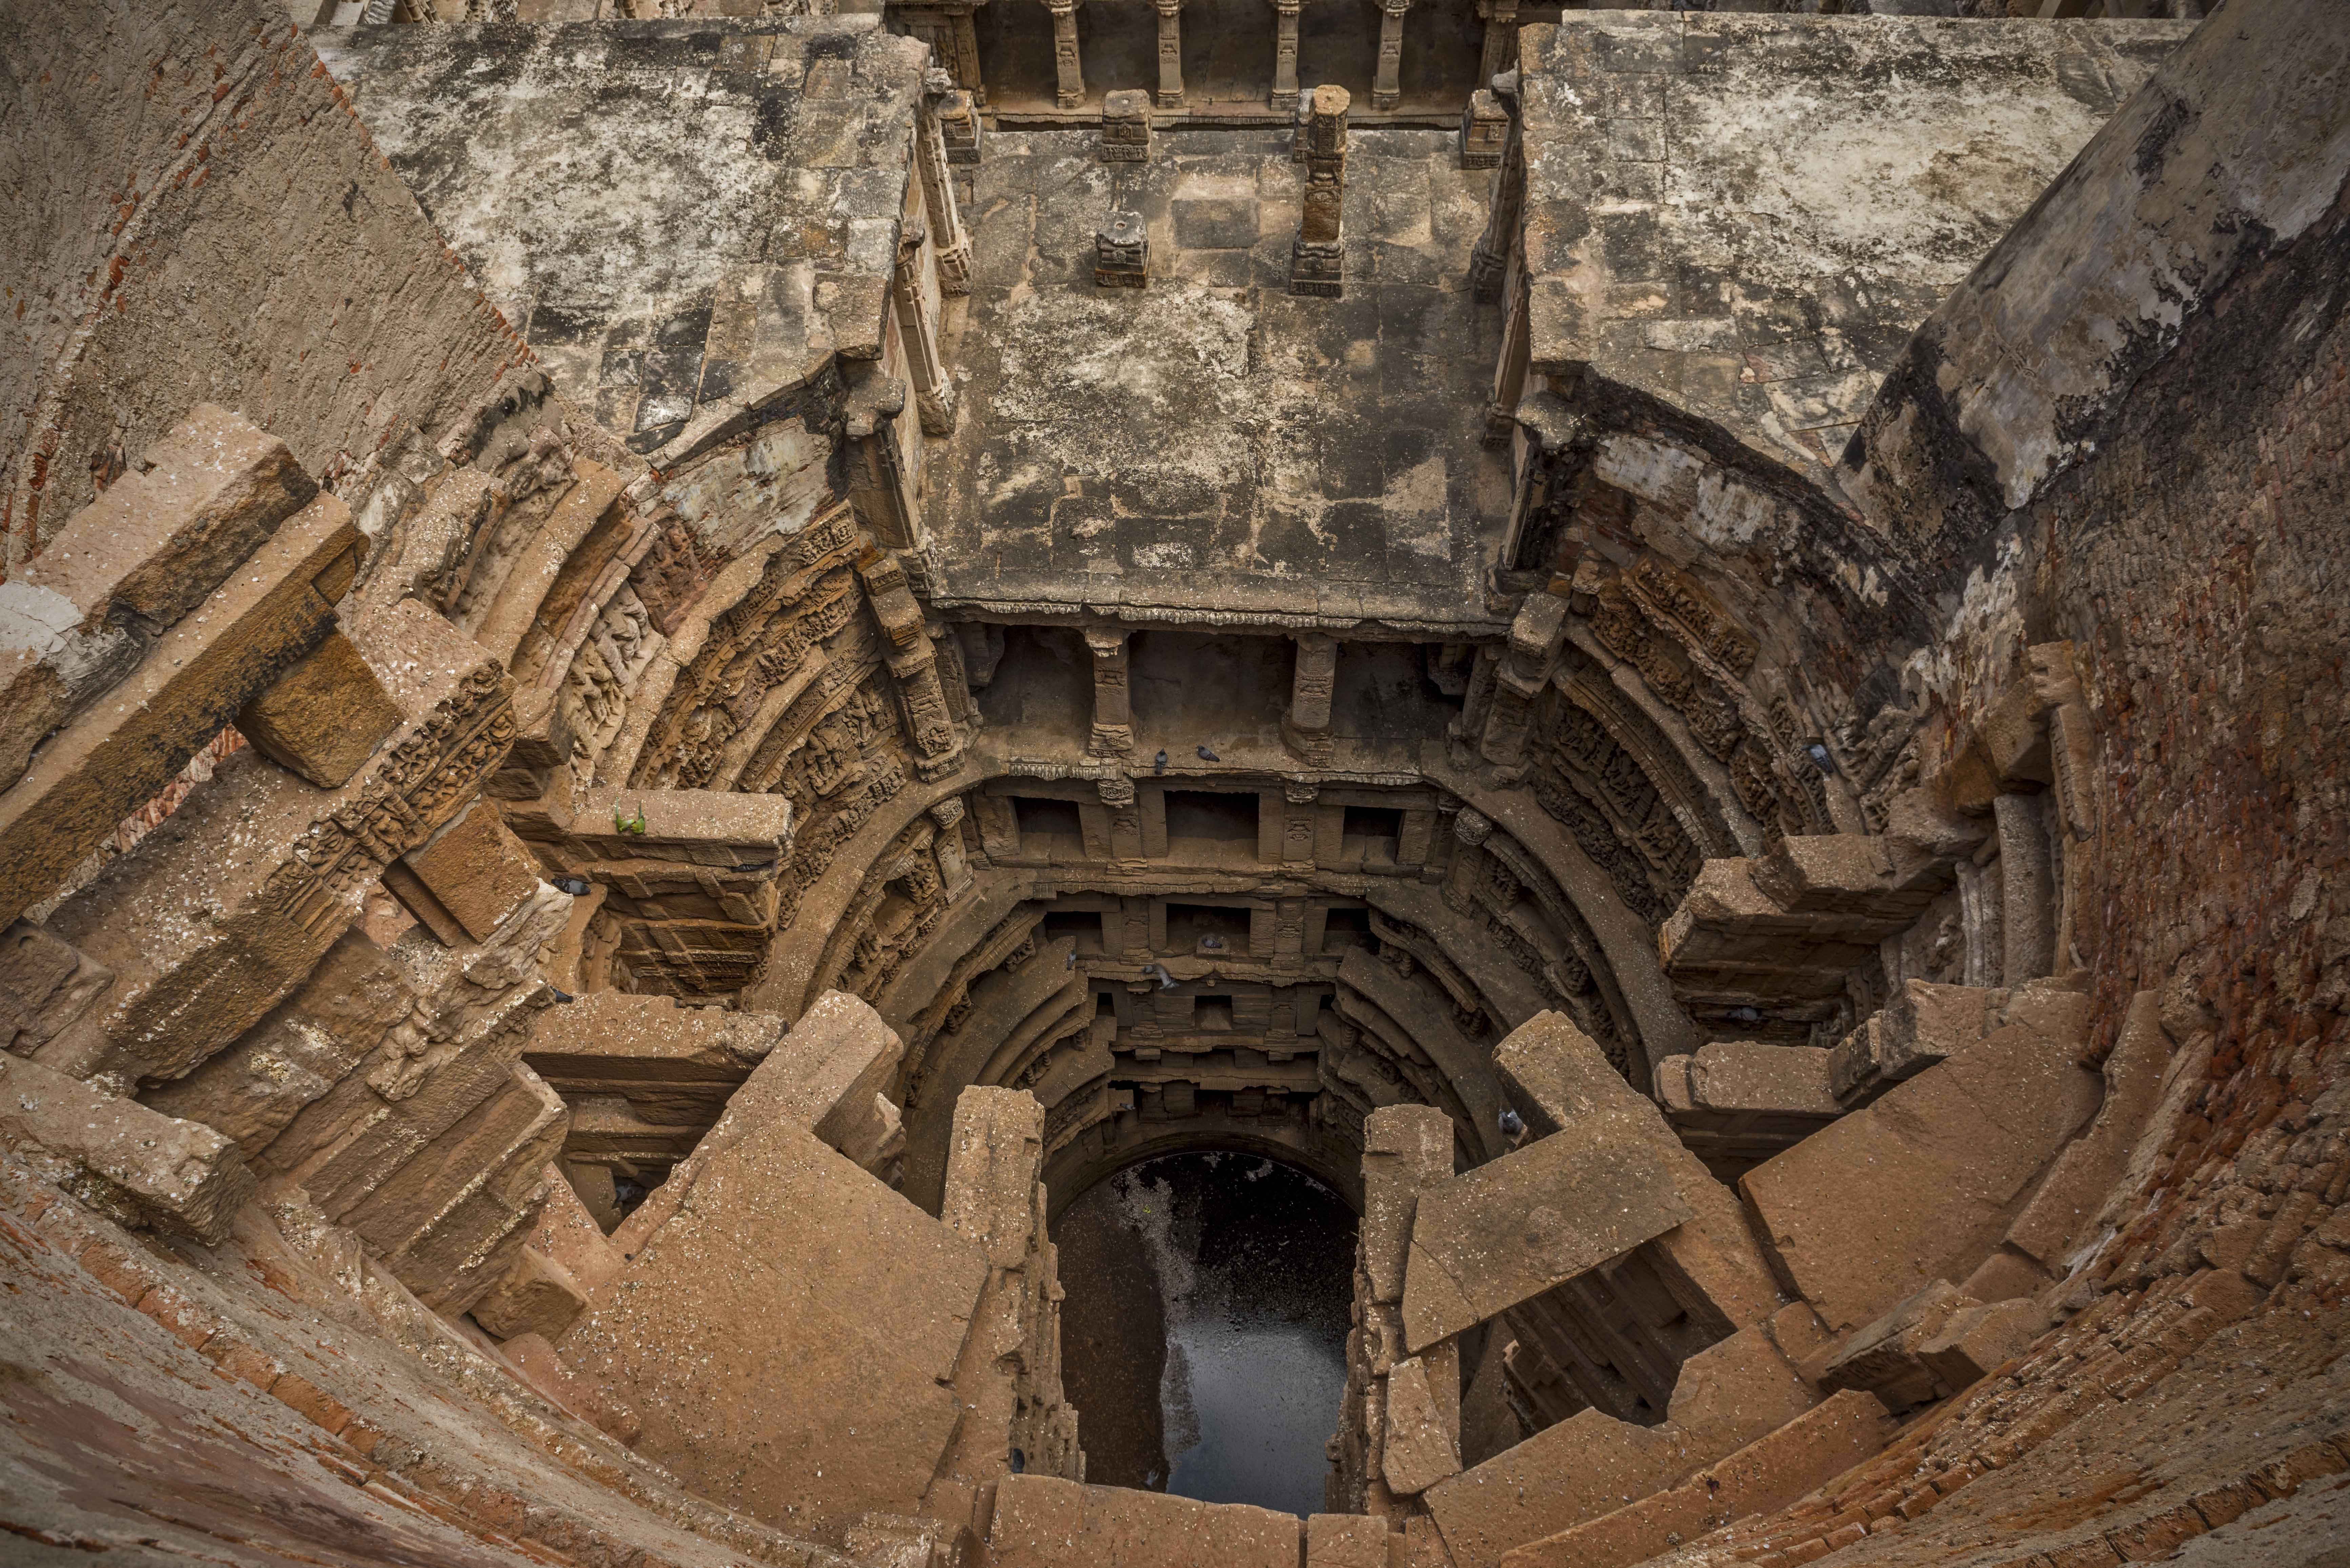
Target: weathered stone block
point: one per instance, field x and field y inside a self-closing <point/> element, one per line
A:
<point x="569" y="1234"/>
<point x="477" y="869"/>
<point x="228" y="904"/>
<point x="1978" y="1340"/>
<point x="1511" y="1229"/>
<point x="1419" y="1449"/>
<point x="116" y="755"/>
<point x="128" y="567"/>
<point x="1882" y="1358"/>
<point x="1346" y="1541"/>
<point x="1586" y="1466"/>
<point x="139" y="1165"/>
<point x="45" y="984"/>
<point x="1558" y="1077"/>
<point x="538" y="1295"/>
<point x="1122" y="252"/>
<point x="1126" y="126"/>
<point x="324" y="717"/>
<point x="1777" y="1080"/>
<point x="1484" y="130"/>
<point x="306" y="1045"/>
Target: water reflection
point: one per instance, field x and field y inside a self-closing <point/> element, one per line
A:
<point x="1205" y="1335"/>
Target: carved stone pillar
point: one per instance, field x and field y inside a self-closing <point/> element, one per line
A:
<point x="1305" y="728"/>
<point x="1317" y="260"/>
<point x="1470" y="831"/>
<point x="1171" y="53"/>
<point x="952" y="675"/>
<point x="1501" y="19"/>
<point x="1387" y="84"/>
<point x="1113" y="729"/>
<point x="1479" y="698"/>
<point x="1492" y="254"/>
<point x="959" y="126"/>
<point x="950" y="242"/>
<point x="1118" y="797"/>
<point x="1126" y="126"/>
<point x="954" y="870"/>
<point x="1510" y="367"/>
<point x="1485" y="131"/>
<point x="999" y="825"/>
<point x="1535" y="638"/>
<point x="934" y="396"/>
<point x="1297" y="823"/>
<point x="1070" y="71"/>
<point x="1122" y="252"/>
<point x="880" y="486"/>
<point x="1284" y="54"/>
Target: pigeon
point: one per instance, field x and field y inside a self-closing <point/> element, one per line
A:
<point x="1212" y="943"/>
<point x="1072" y="962"/>
<point x="1819" y="758"/>
<point x="1513" y="1124"/>
<point x="1159" y="763"/>
<point x="1166" y="980"/>
<point x="574" y="886"/>
<point x="1208" y="756"/>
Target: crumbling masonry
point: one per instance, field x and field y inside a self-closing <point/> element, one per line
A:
<point x="665" y="676"/>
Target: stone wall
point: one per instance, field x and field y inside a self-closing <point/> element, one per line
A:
<point x="179" y="247"/>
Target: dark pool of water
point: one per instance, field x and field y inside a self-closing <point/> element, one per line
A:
<point x="1203" y="1340"/>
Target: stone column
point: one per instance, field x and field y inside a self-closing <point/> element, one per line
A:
<point x="1297" y="826"/>
<point x="1535" y="638"/>
<point x="958" y="126"/>
<point x="1071" y="91"/>
<point x="1501" y="19"/>
<point x="1485" y="131"/>
<point x="1171" y="53"/>
<point x="1113" y="730"/>
<point x="1305" y="728"/>
<point x="1479" y="698"/>
<point x="1405" y="1148"/>
<point x="1118" y="797"/>
<point x="1126" y="126"/>
<point x="954" y="869"/>
<point x="880" y="489"/>
<point x="1492" y="254"/>
<point x="1387" y="85"/>
<point x="1284" y="54"/>
<point x="1317" y="260"/>
<point x="1470" y="831"/>
<point x="934" y="397"/>
<point x="950" y="242"/>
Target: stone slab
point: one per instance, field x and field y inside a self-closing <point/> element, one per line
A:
<point x="119" y="752"/>
<point x="1919" y="1184"/>
<point x="786" y="1336"/>
<point x="125" y="568"/>
<point x="1767" y="1474"/>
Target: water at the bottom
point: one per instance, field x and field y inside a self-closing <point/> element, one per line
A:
<point x="1204" y="1333"/>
